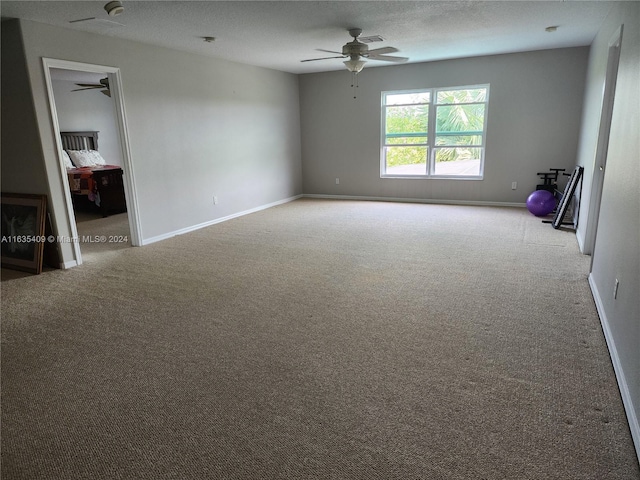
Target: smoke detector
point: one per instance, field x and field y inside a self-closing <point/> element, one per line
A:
<point x="114" y="8"/>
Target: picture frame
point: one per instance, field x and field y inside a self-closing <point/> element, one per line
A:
<point x="567" y="196"/>
<point x="23" y="231"/>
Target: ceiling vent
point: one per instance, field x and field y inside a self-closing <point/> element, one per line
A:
<point x="371" y="39"/>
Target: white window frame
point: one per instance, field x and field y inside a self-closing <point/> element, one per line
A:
<point x="431" y="133"/>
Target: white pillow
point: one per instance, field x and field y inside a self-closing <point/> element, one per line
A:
<point x="81" y="158"/>
<point x="98" y="160"/>
<point x="66" y="160"/>
<point x="86" y="158"/>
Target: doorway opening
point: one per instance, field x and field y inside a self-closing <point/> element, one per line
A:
<point x="90" y="130"/>
<point x="602" y="146"/>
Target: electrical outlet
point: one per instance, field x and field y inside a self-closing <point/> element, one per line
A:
<point x="215" y="200"/>
<point x="615" y="289"/>
<point x="337" y="181"/>
<point x="514" y="185"/>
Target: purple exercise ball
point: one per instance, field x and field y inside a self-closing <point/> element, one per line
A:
<point x="541" y="203"/>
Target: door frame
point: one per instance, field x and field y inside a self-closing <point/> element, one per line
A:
<point x="115" y="86"/>
<point x="602" y="147"/>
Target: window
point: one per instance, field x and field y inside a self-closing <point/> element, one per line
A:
<point x="434" y="133"/>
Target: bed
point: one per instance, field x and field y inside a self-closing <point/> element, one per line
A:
<point x="91" y="179"/>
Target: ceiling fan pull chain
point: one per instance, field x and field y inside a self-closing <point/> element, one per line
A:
<point x="354" y="82"/>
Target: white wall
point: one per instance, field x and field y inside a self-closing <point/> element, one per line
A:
<point x="617" y="246"/>
<point x="198" y="127"/>
<point x="533" y="124"/>
<point x="88" y="110"/>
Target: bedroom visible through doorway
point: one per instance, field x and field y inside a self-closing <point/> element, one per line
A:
<point x="88" y="119"/>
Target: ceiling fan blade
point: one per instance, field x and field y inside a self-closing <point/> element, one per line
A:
<point x="329" y="51"/>
<point x="90" y="85"/>
<point x="323" y="58"/>
<point x="383" y="50"/>
<point x="388" y="58"/>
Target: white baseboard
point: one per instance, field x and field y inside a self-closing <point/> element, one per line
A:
<point x="415" y="200"/>
<point x="68" y="265"/>
<point x="165" y="236"/>
<point x="627" y="399"/>
<point x="581" y="243"/>
<point x="182" y="231"/>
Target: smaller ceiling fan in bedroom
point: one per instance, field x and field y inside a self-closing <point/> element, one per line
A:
<point x="104" y="85"/>
<point x="357" y="51"/>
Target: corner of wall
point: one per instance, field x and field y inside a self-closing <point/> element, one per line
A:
<point x="24" y="168"/>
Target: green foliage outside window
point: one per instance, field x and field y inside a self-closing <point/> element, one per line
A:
<point x="413" y="155"/>
<point x="407" y="124"/>
<point x="459" y="123"/>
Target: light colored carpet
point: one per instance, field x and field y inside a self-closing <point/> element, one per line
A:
<point x="317" y="340"/>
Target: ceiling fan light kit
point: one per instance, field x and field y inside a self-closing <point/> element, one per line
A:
<point x="354" y="66"/>
<point x="114" y="8"/>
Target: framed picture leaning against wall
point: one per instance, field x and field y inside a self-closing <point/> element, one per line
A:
<point x="23" y="233"/>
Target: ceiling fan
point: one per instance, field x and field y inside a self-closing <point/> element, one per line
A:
<point x="356" y="51"/>
<point x="104" y="85"/>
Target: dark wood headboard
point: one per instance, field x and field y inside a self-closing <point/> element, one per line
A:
<point x="79" y="140"/>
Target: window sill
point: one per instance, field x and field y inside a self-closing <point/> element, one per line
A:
<point x="433" y="177"/>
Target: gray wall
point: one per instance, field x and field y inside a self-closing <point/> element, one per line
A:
<point x="533" y="124"/>
<point x="197" y="126"/>
<point x="88" y="110"/>
<point x="20" y="159"/>
<point x="617" y="247"/>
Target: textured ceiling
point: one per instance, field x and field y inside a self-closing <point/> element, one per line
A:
<point x="279" y="35"/>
